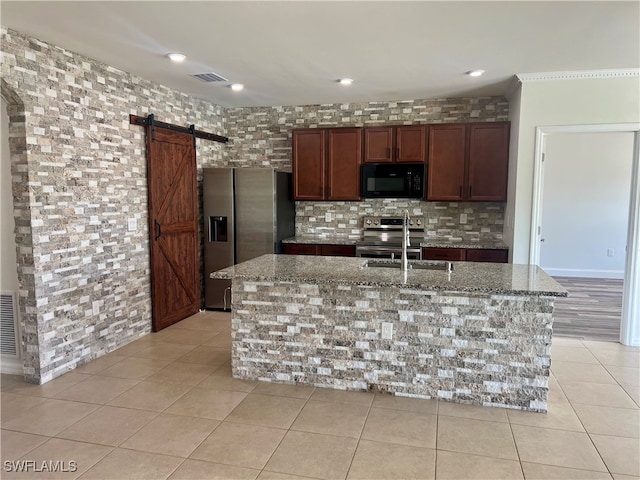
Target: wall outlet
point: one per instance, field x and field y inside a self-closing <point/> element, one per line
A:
<point x="610" y="252"/>
<point x="132" y="224"/>
<point x="327" y="217"/>
<point x="387" y="330"/>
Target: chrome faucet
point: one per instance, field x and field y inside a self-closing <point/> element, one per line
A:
<point x="405" y="241"/>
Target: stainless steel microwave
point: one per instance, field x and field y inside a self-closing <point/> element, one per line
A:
<point x="392" y="180"/>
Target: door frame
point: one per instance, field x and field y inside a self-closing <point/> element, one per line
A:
<point x="630" y="322"/>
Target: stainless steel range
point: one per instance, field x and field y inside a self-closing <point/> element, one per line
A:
<point x="382" y="238"/>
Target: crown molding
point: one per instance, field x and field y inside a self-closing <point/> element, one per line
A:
<point x="578" y="74"/>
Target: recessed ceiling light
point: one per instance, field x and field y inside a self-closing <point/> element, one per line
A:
<point x="236" y="87"/>
<point x="346" y="81"/>
<point x="475" y="73"/>
<point x="176" y="57"/>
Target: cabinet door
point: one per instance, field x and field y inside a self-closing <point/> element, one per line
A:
<point x="299" y="249"/>
<point x="378" y="144"/>
<point x="411" y="144"/>
<point x="488" y="162"/>
<point x="308" y="164"/>
<point x="446" y="160"/>
<point x="338" y="250"/>
<point x="487" y="255"/>
<point x="450" y="254"/>
<point x="344" y="152"/>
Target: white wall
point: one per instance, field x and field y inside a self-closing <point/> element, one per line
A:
<point x="8" y="270"/>
<point x="515" y="101"/>
<point x="585" y="204"/>
<point x="559" y="102"/>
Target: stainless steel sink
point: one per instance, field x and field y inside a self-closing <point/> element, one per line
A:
<point x="413" y="265"/>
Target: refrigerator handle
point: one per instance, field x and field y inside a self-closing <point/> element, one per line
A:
<point x="217" y="229"/>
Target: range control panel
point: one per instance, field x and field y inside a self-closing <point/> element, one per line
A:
<point x="391" y="223"/>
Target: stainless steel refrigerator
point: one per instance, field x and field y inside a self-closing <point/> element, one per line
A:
<point x="247" y="213"/>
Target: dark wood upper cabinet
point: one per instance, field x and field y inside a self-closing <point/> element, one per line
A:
<point x="446" y="165"/>
<point x="378" y="144"/>
<point x="468" y="162"/>
<point x="488" y="162"/>
<point x="465" y="162"/>
<point x="411" y="144"/>
<point x="395" y="144"/>
<point x="344" y="154"/>
<point x="309" y="174"/>
<point x="326" y="163"/>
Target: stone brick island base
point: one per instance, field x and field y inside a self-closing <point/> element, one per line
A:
<point x="472" y="347"/>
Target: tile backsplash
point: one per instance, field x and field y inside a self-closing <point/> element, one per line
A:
<point x="465" y="222"/>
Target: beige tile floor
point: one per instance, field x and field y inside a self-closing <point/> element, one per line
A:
<point x="166" y="406"/>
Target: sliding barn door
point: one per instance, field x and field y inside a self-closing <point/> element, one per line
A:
<point x="173" y="226"/>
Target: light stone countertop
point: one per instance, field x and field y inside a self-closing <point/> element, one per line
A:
<point x="489" y="278"/>
<point x="319" y="240"/>
<point x="427" y="242"/>
<point x="445" y="244"/>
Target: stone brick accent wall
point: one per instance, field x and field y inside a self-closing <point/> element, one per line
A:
<point x="262" y="137"/>
<point x="491" y="350"/>
<point x="455" y="222"/>
<point x="79" y="174"/>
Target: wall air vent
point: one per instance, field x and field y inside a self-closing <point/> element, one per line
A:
<point x="8" y="340"/>
<point x="209" y="77"/>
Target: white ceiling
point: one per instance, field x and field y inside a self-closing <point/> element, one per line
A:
<point x="292" y="53"/>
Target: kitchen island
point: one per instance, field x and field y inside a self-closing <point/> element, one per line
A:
<point x="480" y="334"/>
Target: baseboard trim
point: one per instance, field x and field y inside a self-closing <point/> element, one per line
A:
<point x="11" y="365"/>
<point x="574" y="272"/>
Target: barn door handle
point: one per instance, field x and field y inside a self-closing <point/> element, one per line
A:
<point x="158" y="230"/>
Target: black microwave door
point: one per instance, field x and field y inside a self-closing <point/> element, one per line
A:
<point x="392" y="181"/>
<point x="383" y="181"/>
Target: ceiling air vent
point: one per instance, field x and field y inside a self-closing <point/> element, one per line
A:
<point x="209" y="77"/>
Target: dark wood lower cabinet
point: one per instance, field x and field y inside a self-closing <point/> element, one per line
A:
<point x="487" y="255"/>
<point x="321" y="249"/>
<point x="299" y="249"/>
<point x="338" y="250"/>
<point x="496" y="255"/>
<point x="449" y="254"/>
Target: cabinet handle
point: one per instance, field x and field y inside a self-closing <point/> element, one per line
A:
<point x="389" y="153"/>
<point x="397" y="153"/>
<point x="469" y="191"/>
<point x="158" y="230"/>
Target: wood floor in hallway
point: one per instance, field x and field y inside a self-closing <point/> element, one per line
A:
<point x="592" y="311"/>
